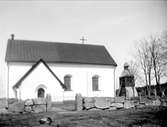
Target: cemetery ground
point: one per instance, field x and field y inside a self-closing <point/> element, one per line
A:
<point x="149" y="116"/>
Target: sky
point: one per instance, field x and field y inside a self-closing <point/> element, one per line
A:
<point x="118" y="25"/>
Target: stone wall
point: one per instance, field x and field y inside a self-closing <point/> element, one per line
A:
<point x="155" y="90"/>
<point x="3" y="103"/>
<point x="29" y="105"/>
<point x="109" y="103"/>
<point x="80" y="103"/>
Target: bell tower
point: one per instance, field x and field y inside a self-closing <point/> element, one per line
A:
<point x="127" y="83"/>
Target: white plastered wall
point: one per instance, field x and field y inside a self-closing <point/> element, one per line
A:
<point x="81" y="80"/>
<point x="39" y="76"/>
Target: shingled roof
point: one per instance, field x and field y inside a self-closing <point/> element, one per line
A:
<point x="56" y="52"/>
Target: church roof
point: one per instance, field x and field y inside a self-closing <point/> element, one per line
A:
<point x="56" y="52"/>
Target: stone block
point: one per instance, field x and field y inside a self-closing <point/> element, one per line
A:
<point x="136" y="103"/>
<point x="78" y="102"/>
<point x="28" y="109"/>
<point x="140" y="105"/>
<point x="112" y="108"/>
<point x="39" y="108"/>
<point x="112" y="99"/>
<point x="145" y="100"/>
<point x="3" y="111"/>
<point x="102" y="102"/>
<point x="128" y="104"/>
<point x="156" y="102"/>
<point x="16" y="107"/>
<point x="29" y="102"/>
<point x="94" y="109"/>
<point x="3" y="103"/>
<point x="117" y="105"/>
<point x="149" y="103"/>
<point x="12" y="100"/>
<point x="119" y="99"/>
<point x="163" y="103"/>
<point x="68" y="105"/>
<point x="89" y="102"/>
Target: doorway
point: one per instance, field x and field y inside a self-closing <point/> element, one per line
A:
<point x="41" y="93"/>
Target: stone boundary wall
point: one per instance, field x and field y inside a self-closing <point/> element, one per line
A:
<point x="68" y="105"/>
<point x="80" y="103"/>
<point x="29" y="105"/>
<point x="3" y="103"/>
<point x="113" y="103"/>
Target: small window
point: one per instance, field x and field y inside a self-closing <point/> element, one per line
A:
<point x="95" y="83"/>
<point x="41" y="93"/>
<point x="67" y="82"/>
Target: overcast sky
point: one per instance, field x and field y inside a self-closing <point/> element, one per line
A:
<point x="117" y="25"/>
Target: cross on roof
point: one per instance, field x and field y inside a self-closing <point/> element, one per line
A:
<point x="83" y="39"/>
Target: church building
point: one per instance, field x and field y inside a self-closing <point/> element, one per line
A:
<point x="37" y="69"/>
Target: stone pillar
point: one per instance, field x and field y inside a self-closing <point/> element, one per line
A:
<point x="155" y="92"/>
<point x="48" y="102"/>
<point x="78" y="102"/>
<point x="139" y="96"/>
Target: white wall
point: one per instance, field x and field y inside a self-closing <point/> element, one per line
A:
<point x="15" y="72"/>
<point x="41" y="76"/>
<point x="81" y="80"/>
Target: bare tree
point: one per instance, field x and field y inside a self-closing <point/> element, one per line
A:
<point x="145" y="60"/>
<point x="152" y="56"/>
<point x="164" y="47"/>
<point x="164" y="37"/>
<point x="135" y="70"/>
<point x="157" y="58"/>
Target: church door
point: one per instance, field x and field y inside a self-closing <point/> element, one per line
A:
<point x="41" y="93"/>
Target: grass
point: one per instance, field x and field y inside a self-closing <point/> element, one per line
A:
<point x="149" y="116"/>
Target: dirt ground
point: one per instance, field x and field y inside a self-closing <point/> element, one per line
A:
<point x="141" y="117"/>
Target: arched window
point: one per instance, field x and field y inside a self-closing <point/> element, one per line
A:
<point x="95" y="83"/>
<point x="41" y="93"/>
<point x="67" y="82"/>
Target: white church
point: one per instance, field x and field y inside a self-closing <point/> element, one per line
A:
<point x="37" y="69"/>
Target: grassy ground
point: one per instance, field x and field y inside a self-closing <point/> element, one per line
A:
<point x="142" y="117"/>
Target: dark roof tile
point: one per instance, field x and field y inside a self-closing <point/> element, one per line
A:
<point x="56" y="52"/>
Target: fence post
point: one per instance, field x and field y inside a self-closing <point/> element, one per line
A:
<point x="78" y="102"/>
<point x="48" y="102"/>
<point x="155" y="92"/>
<point x="139" y="96"/>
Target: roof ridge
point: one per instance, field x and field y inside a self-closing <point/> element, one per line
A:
<point x="56" y="42"/>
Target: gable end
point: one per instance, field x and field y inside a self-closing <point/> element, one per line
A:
<point x="17" y="85"/>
